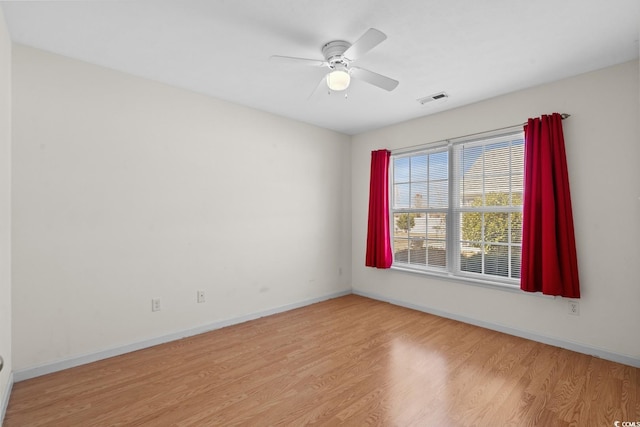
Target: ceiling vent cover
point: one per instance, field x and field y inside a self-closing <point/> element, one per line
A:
<point x="435" y="97"/>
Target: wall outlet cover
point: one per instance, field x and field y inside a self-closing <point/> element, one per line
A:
<point x="574" y="308"/>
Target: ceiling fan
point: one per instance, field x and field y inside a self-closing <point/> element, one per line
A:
<point x="339" y="56"/>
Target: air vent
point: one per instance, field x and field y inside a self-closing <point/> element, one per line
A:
<point x="435" y="97"/>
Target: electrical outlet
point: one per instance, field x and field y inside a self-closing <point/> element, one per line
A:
<point x="574" y="308"/>
<point x="200" y="296"/>
<point x="155" y="304"/>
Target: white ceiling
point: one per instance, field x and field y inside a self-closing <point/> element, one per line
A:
<point x="473" y="50"/>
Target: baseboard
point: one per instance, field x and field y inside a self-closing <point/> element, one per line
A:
<point x="4" y="404"/>
<point x="25" y="374"/>
<point x="573" y="346"/>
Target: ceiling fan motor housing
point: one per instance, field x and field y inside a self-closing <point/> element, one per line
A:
<point x="333" y="51"/>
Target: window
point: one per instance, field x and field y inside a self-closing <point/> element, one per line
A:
<point x="456" y="207"/>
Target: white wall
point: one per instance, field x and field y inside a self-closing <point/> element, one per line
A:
<point x="603" y="149"/>
<point x="5" y="213"/>
<point x="126" y="189"/>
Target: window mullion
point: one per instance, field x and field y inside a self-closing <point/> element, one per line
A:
<point x="453" y="219"/>
<point x="509" y="219"/>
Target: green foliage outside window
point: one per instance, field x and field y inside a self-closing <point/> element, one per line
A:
<point x="496" y="224"/>
<point x="406" y="221"/>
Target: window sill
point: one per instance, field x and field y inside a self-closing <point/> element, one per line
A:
<point x="468" y="280"/>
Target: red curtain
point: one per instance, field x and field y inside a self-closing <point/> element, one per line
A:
<point x="378" y="243"/>
<point x="549" y="262"/>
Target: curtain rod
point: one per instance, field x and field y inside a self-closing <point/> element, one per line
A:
<point x="563" y="115"/>
<point x="409" y="148"/>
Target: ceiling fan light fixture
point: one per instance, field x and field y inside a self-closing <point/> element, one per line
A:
<point x="338" y="80"/>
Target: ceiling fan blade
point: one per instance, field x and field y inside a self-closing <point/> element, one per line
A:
<point x="365" y="43"/>
<point x="299" y="61"/>
<point x="321" y="83"/>
<point x="375" y="79"/>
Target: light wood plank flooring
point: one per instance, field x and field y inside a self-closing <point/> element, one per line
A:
<point x="348" y="361"/>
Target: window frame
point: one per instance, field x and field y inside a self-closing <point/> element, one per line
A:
<point x="454" y="210"/>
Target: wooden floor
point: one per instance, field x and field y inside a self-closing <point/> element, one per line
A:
<point x="348" y="361"/>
